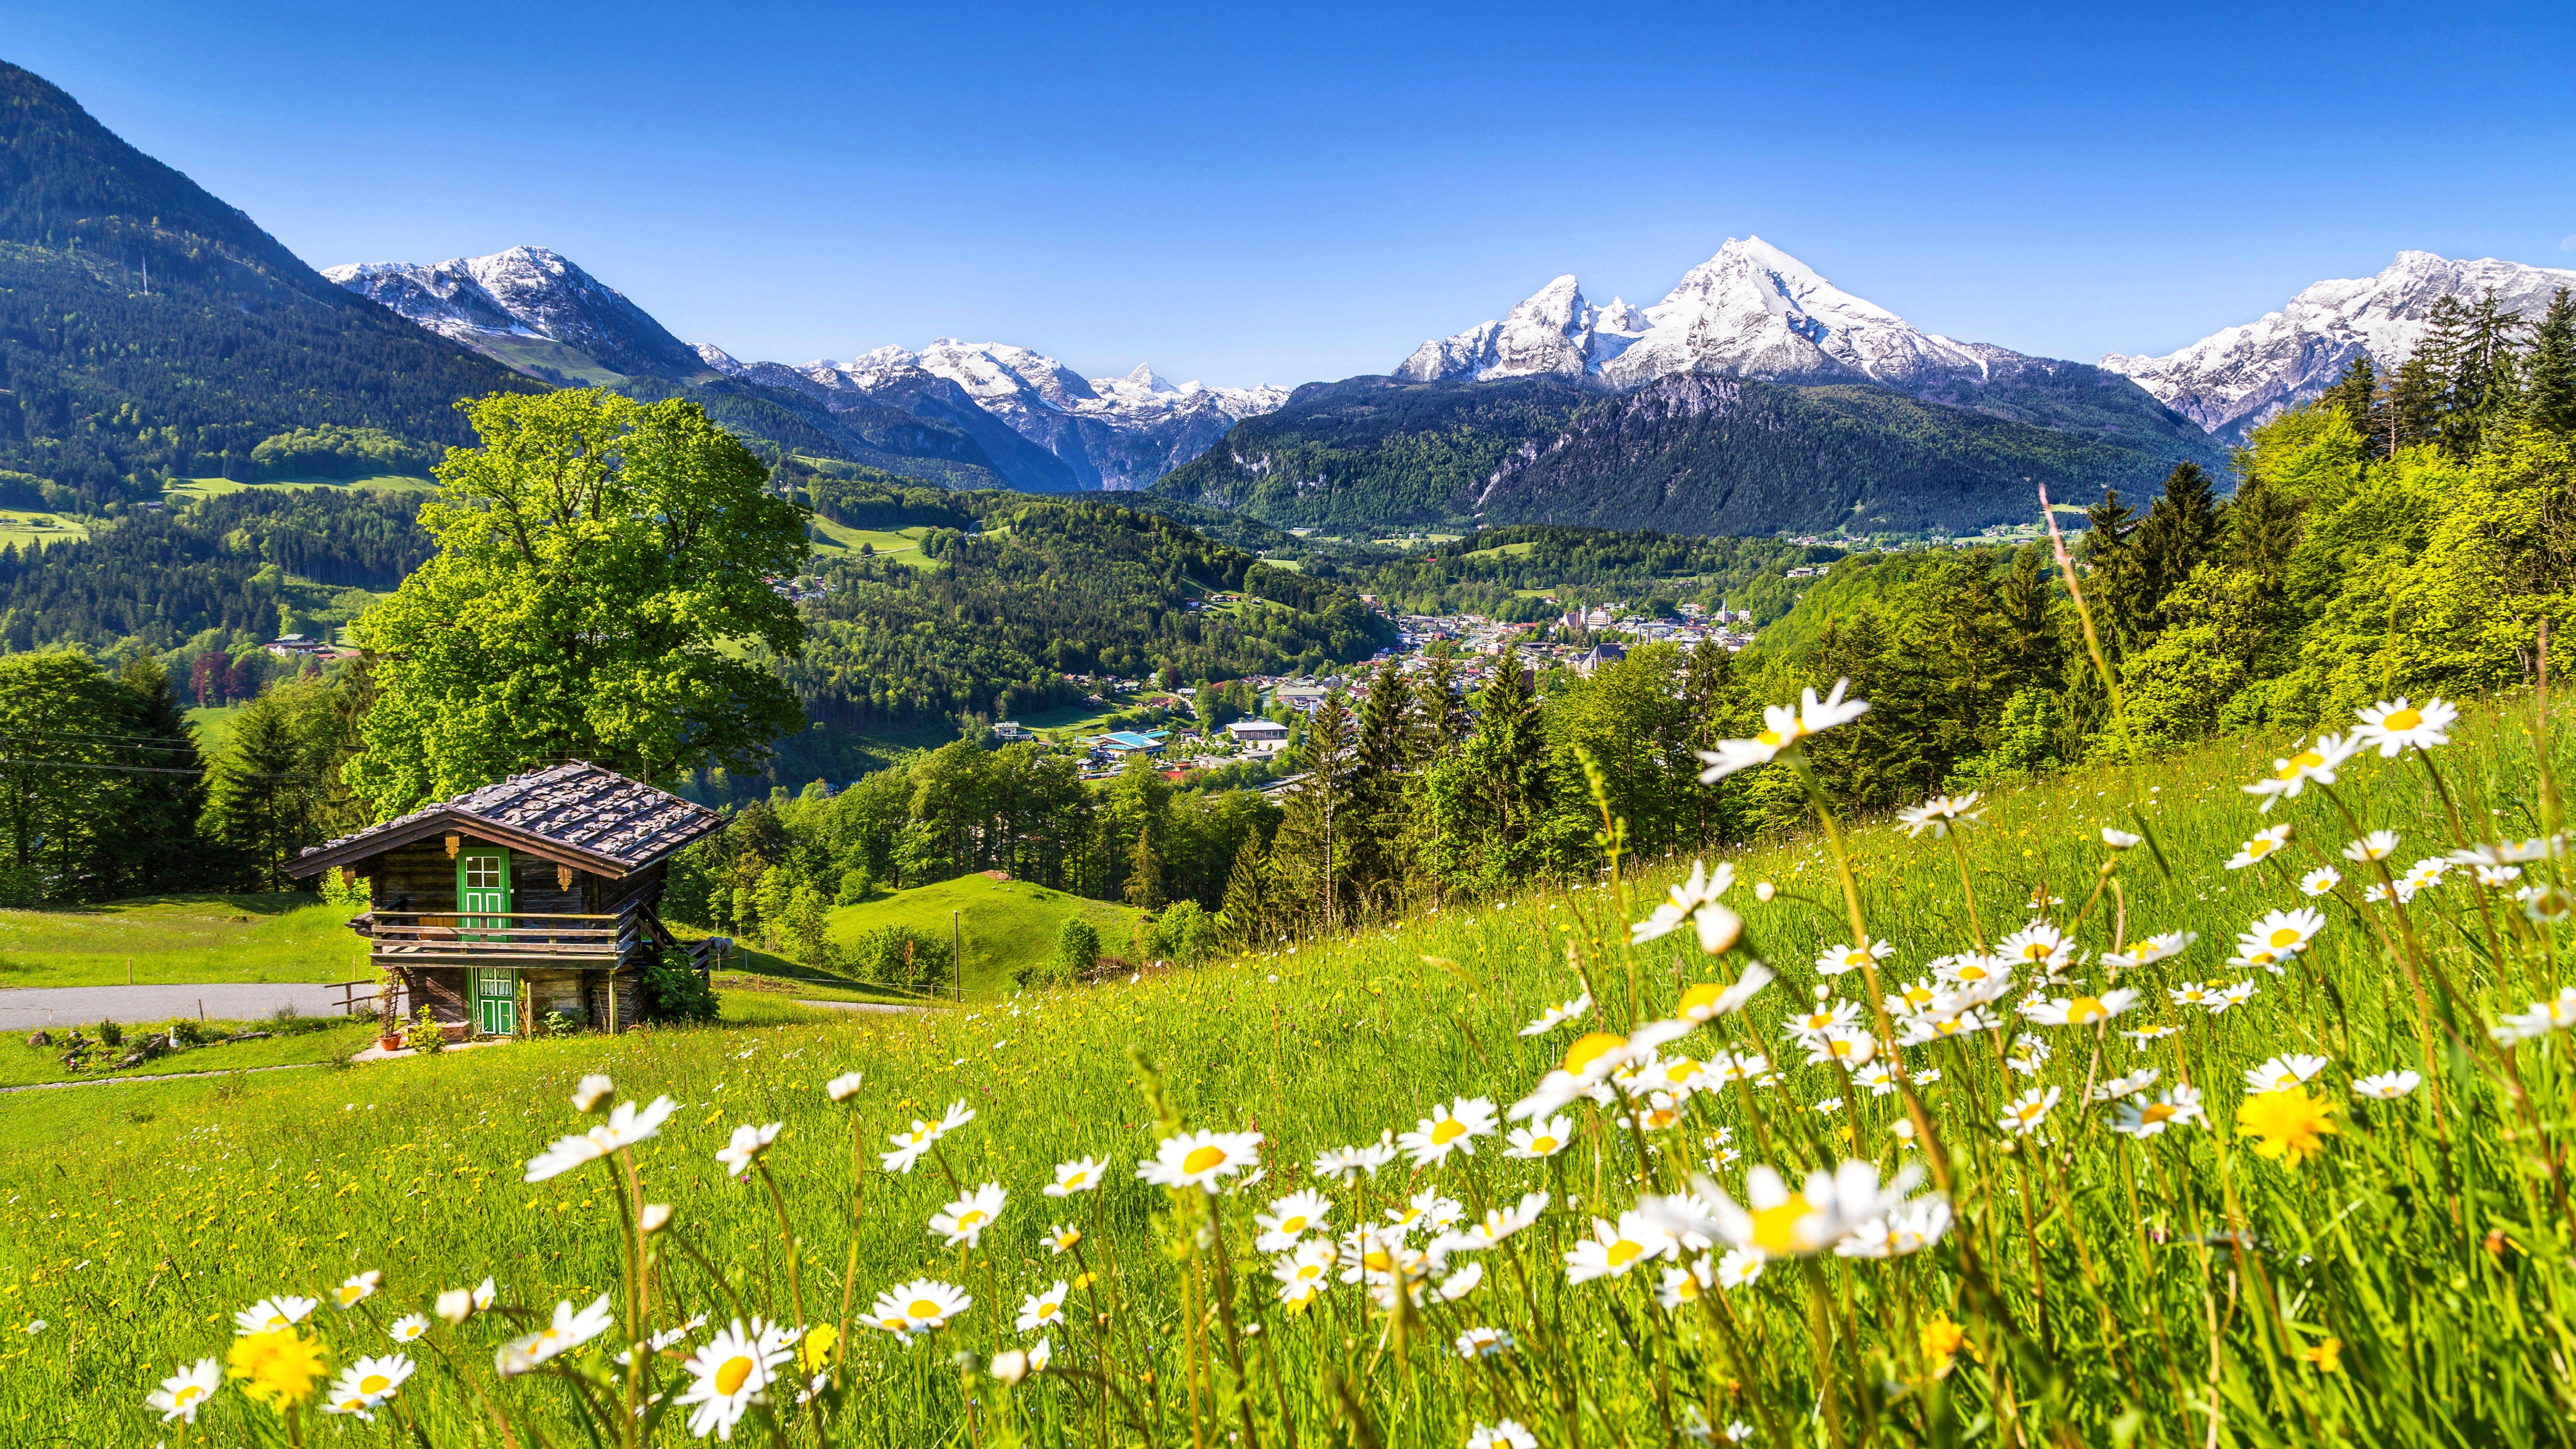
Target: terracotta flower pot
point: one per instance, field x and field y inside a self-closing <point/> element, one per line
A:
<point x="389" y="1043"/>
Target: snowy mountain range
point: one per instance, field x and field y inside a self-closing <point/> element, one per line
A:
<point x="1115" y="433"/>
<point x="2233" y="379"/>
<point x="1755" y="311"/>
<point x="1039" y="423"/>
<point x="1752" y="310"/>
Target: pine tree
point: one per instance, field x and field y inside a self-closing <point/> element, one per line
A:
<point x="2355" y="394"/>
<point x="160" y="816"/>
<point x="258" y="799"/>
<point x="1245" y="915"/>
<point x="1710" y="700"/>
<point x="1440" y="717"/>
<point x="2180" y="531"/>
<point x="1144" y="888"/>
<point x="1309" y="854"/>
<point x="2549" y="389"/>
<point x="1376" y="826"/>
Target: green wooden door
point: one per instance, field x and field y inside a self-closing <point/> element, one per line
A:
<point x="496" y="1000"/>
<point x="483" y="889"/>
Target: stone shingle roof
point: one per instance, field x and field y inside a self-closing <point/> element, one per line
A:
<point x="577" y="806"/>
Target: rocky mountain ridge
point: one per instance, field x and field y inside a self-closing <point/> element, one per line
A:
<point x="2232" y="380"/>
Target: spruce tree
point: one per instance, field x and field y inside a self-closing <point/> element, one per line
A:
<point x="159" y="819"/>
<point x="258" y="797"/>
<point x="1309" y="855"/>
<point x="2410" y="407"/>
<point x="1245" y="916"/>
<point x="1144" y="889"/>
<point x="2355" y="394"/>
<point x="2024" y="604"/>
<point x="1378" y="759"/>
<point x="2180" y="531"/>
<point x="2115" y="583"/>
<point x="2549" y="386"/>
<point x="1440" y="717"/>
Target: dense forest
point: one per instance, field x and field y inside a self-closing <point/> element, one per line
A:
<point x="1511" y="572"/>
<point x="156" y="579"/>
<point x="1687" y="454"/>
<point x="111" y="379"/>
<point x="1052" y="587"/>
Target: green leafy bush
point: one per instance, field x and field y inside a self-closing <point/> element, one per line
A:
<point x="677" y="994"/>
<point x="1077" y="948"/>
<point x="895" y="956"/>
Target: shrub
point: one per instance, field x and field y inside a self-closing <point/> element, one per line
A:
<point x="187" y="1031"/>
<point x="892" y="955"/>
<point x="110" y="1034"/>
<point x="1186" y="934"/>
<point x="423" y="1034"/>
<point x="1077" y="948"/>
<point x="677" y="994"/>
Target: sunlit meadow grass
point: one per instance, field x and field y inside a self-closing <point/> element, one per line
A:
<point x="2406" y="1283"/>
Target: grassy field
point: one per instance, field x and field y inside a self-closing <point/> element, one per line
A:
<point x="904" y="546"/>
<point x="214" y="724"/>
<point x="2390" y="1273"/>
<point x="186" y="488"/>
<point x="180" y="938"/>
<point x="28" y="528"/>
<point x="1004" y="924"/>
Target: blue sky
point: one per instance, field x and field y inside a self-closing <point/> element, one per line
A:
<point x="1284" y="193"/>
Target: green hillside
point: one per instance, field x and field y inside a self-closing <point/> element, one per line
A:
<point x="1004" y="925"/>
<point x="1687" y="454"/>
<point x="180" y="938"/>
<point x="231" y="341"/>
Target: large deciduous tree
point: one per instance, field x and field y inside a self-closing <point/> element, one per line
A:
<point x="601" y="592"/>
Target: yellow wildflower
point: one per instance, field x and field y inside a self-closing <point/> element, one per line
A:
<point x="281" y="1366"/>
<point x="2286" y="1125"/>
<point x="2326" y="1357"/>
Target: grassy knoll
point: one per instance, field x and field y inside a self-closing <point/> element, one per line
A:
<point x="180" y="938"/>
<point x="1004" y="924"/>
<point x="837" y="538"/>
<point x="2386" y="1281"/>
<point x="34" y="528"/>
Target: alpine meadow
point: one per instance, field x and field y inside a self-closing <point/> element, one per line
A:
<point x="1740" y="869"/>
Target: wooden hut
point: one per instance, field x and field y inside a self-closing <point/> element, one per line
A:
<point x="536" y="897"/>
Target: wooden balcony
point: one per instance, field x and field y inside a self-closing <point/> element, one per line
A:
<point x="523" y="938"/>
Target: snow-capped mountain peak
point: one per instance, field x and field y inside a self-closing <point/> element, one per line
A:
<point x="510" y="304"/>
<point x="2235" y="378"/>
<point x="1752" y="310"/>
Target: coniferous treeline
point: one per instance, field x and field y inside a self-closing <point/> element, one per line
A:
<point x="1488" y="571"/>
<point x="161" y="578"/>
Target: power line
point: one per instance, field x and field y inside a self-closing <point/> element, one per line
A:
<point x="149" y="769"/>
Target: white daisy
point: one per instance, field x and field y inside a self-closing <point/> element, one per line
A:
<point x="727" y="1376"/>
<point x="2397" y="727"/>
<point x="1042" y="1310"/>
<point x="625" y="1127"/>
<point x="2263" y="844"/>
<point x="182" y="1394"/>
<point x="2318" y="763"/>
<point x="967" y="1219"/>
<point x="1556" y="1016"/>
<point x="748" y="1144"/>
<point x="913" y="1142"/>
<point x="1080" y="1175"/>
<point x="2387" y="1086"/>
<point x="1453" y="1127"/>
<point x="1198" y="1159"/>
<point x="1290" y="1219"/>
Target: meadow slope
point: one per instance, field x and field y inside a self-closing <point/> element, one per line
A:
<point x="2401" y="1285"/>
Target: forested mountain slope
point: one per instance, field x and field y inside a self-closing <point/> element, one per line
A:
<point x="1054" y="587"/>
<point x="1690" y="454"/>
<point x="160" y="579"/>
<point x="107" y="377"/>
